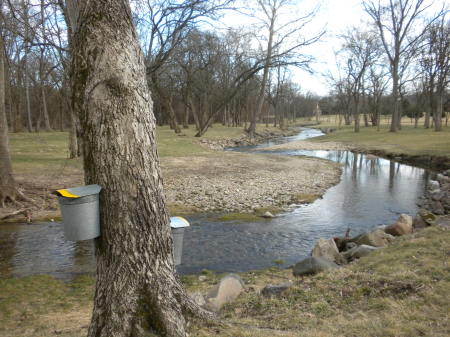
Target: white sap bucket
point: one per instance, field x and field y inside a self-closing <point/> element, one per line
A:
<point x="80" y="212"/>
<point x="177" y="225"/>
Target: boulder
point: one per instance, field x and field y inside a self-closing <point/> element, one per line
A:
<point x="327" y="249"/>
<point x="313" y="265"/>
<point x="341" y="243"/>
<point x="350" y="245"/>
<point x="428" y="217"/>
<point x="437" y="195"/>
<point x="359" y="251"/>
<point x="443" y="221"/>
<point x="419" y="223"/>
<point x="377" y="238"/>
<point x="433" y="185"/>
<point x="443" y="179"/>
<point x="267" y="215"/>
<point x="275" y="289"/>
<point x="437" y="208"/>
<point x="401" y="227"/>
<point x="228" y="289"/>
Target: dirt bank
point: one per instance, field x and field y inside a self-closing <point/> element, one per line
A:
<point x="308" y="145"/>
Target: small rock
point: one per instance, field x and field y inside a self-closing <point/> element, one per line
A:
<point x="401" y="227"/>
<point x="225" y="292"/>
<point x="443" y="179"/>
<point x="275" y="290"/>
<point x="437" y="208"/>
<point x="313" y="265"/>
<point x="377" y="238"/>
<point x="437" y="195"/>
<point x="419" y="223"/>
<point x="350" y="245"/>
<point x="198" y="298"/>
<point x="202" y="278"/>
<point x="433" y="185"/>
<point x="443" y="221"/>
<point x="428" y="217"/>
<point x="268" y="215"/>
<point x="327" y="249"/>
<point x="359" y="251"/>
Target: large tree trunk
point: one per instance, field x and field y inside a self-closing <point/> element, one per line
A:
<point x="8" y="187"/>
<point x="135" y="269"/>
<point x="7" y="183"/>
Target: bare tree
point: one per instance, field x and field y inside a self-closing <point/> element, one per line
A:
<point x="396" y="22"/>
<point x="136" y="279"/>
<point x="436" y="63"/>
<point x="163" y="25"/>
<point x="8" y="186"/>
<point x="361" y="50"/>
<point x="286" y="39"/>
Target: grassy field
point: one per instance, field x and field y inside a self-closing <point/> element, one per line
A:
<point x="48" y="151"/>
<point x="409" y="140"/>
<point x="400" y="291"/>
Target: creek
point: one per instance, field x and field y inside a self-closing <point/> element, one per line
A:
<point x="372" y="191"/>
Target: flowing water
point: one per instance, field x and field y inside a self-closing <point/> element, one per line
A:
<point x="372" y="191"/>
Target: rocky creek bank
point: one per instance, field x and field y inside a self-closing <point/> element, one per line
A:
<point x="245" y="140"/>
<point x="328" y="254"/>
<point x="243" y="182"/>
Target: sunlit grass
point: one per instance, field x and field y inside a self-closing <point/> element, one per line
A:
<point x="409" y="140"/>
<point x="48" y="151"/>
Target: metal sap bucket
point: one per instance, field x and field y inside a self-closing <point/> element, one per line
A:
<point x="80" y="212"/>
<point x="177" y="225"/>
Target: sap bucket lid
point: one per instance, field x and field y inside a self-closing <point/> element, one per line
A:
<point x="78" y="192"/>
<point x="178" y="222"/>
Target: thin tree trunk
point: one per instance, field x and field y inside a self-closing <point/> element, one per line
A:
<point x="262" y="92"/>
<point x="135" y="271"/>
<point x="439" y="110"/>
<point x="41" y="73"/>
<point x="394" y="120"/>
<point x="427" y="120"/>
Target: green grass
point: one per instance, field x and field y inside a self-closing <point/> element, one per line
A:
<point x="409" y="140"/>
<point x="48" y="151"/>
<point x="41" y="152"/>
<point x="250" y="217"/>
<point x="402" y="291"/>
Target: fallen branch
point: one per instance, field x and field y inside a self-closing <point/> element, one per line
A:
<point x="26" y="212"/>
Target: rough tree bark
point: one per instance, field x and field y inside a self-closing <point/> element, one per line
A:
<point x="7" y="183"/>
<point x="136" y="278"/>
<point x="8" y="186"/>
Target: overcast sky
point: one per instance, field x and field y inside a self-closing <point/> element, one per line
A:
<point x="337" y="16"/>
